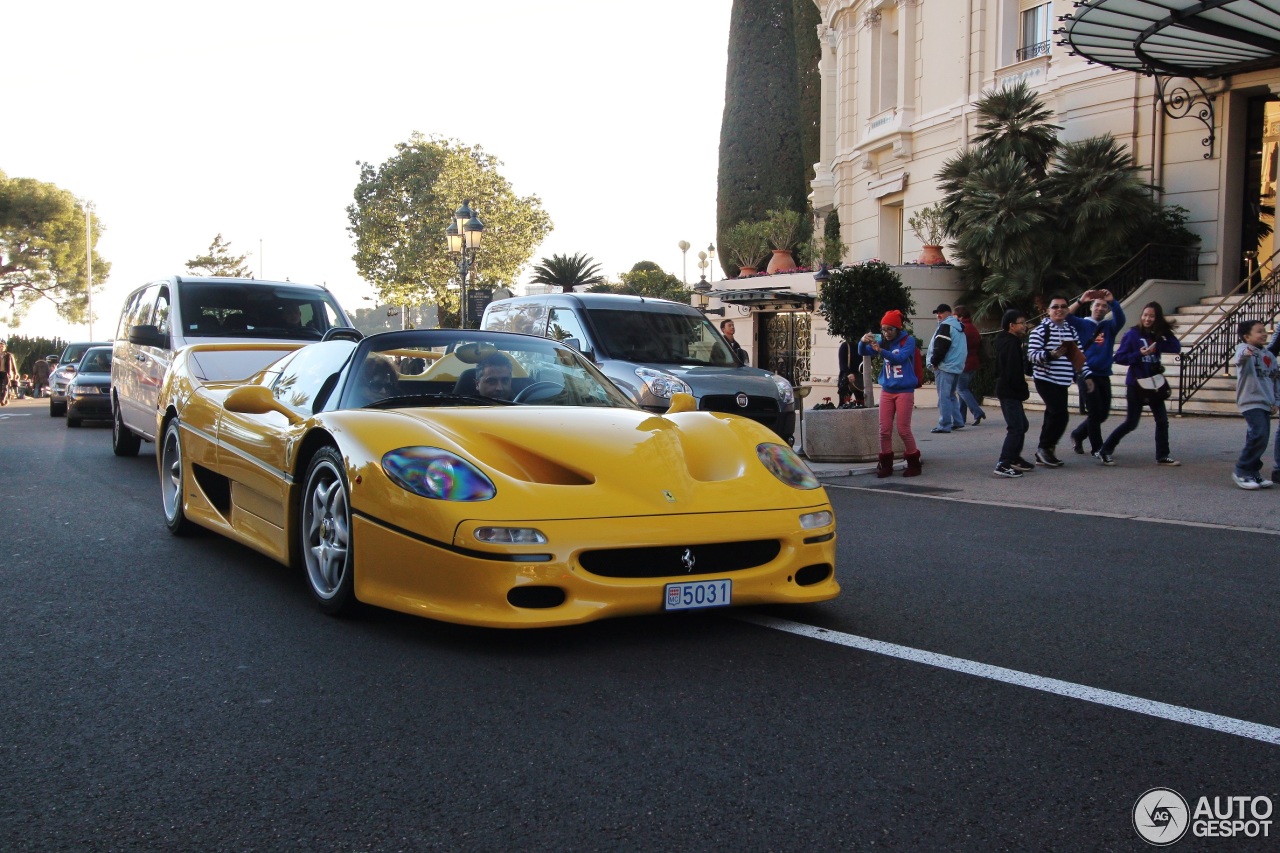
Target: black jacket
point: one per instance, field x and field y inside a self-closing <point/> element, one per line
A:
<point x="1011" y="368"/>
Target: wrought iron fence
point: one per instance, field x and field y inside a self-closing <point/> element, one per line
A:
<point x="1040" y="48"/>
<point x="1175" y="263"/>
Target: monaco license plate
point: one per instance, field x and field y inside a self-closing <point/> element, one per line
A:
<point x="692" y="595"/>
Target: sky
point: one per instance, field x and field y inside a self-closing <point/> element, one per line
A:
<point x="177" y="122"/>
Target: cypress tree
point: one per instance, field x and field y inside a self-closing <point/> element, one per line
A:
<point x="761" y="150"/>
<point x="808" y="53"/>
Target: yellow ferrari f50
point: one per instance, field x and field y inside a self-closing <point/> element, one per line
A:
<point x="487" y="478"/>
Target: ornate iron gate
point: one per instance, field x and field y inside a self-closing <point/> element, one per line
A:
<point x="787" y="343"/>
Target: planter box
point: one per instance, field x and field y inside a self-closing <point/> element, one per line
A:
<point x="844" y="435"/>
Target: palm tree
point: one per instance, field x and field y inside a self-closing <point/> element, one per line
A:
<point x="1013" y="120"/>
<point x="567" y="272"/>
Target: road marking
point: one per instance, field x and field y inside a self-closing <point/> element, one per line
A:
<point x="1165" y="711"/>
<point x="1061" y="509"/>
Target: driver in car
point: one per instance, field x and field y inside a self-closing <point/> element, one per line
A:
<point x="493" y="377"/>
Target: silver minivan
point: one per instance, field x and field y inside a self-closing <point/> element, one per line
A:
<point x="652" y="348"/>
<point x="164" y="316"/>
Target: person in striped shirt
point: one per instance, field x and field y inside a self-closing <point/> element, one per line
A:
<point x="1056" y="354"/>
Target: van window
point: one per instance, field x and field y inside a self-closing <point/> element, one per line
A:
<point x="126" y="316"/>
<point x="255" y="311"/>
<point x="660" y="338"/>
<point x="525" y="318"/>
<point x="562" y="323"/>
<point x="160" y="317"/>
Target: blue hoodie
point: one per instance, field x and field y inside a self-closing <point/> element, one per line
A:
<point x="1099" y="339"/>
<point x="898" y="375"/>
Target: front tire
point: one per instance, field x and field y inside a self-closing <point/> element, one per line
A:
<point x="124" y="441"/>
<point x="171" y="481"/>
<point x="324" y="530"/>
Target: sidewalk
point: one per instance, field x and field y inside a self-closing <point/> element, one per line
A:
<point x="959" y="465"/>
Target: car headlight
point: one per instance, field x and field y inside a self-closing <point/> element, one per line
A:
<point x="85" y="390"/>
<point x="814" y="520"/>
<point x="785" y="390"/>
<point x="437" y="474"/>
<point x="662" y="384"/>
<point x="783" y="463"/>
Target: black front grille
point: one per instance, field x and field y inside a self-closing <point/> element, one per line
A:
<point x="756" y="406"/>
<point x="674" y="560"/>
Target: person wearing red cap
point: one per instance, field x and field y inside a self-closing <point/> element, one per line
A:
<point x="897" y="390"/>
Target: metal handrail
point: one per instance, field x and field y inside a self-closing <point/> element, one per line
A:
<point x="1212" y="352"/>
<point x="1259" y="275"/>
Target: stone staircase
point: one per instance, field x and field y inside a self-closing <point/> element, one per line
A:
<point x="1218" y="397"/>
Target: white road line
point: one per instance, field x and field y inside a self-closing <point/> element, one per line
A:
<point x="1061" y="509"/>
<point x="1176" y="713"/>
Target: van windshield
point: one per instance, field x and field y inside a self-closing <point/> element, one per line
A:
<point x="232" y="310"/>
<point x="660" y="338"/>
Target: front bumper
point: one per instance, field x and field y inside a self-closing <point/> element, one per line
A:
<point x="467" y="582"/>
<point x="92" y="407"/>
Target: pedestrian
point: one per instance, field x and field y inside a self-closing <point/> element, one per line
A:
<point x="972" y="361"/>
<point x="1145" y="384"/>
<point x="1057" y="358"/>
<point x="897" y="390"/>
<point x="727" y="329"/>
<point x="947" y="352"/>
<point x="1256" y="399"/>
<point x="1099" y="332"/>
<point x="8" y="373"/>
<point x="1012" y="391"/>
<point x="850" y="385"/>
<point x="40" y="376"/>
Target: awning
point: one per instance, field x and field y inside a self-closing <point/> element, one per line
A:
<point x="774" y="298"/>
<point x="1213" y="38"/>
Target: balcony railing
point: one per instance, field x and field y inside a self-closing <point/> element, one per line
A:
<point x="1031" y="51"/>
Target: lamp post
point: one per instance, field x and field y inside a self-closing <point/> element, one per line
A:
<point x="684" y="261"/>
<point x="464" y="234"/>
<point x="701" y="297"/>
<point x="711" y="260"/>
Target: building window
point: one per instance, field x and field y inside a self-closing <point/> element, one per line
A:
<point x="1035" y="32"/>
<point x="884" y="61"/>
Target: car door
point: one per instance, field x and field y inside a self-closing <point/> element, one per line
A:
<point x="138" y="387"/>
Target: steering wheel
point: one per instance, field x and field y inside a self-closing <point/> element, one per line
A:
<point x="529" y="390"/>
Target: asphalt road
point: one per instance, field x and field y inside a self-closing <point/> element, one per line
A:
<point x="185" y="694"/>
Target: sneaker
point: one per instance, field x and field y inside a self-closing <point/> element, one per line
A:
<point x="1246" y="483"/>
<point x="957" y="426"/>
<point x="1170" y="462"/>
<point x="1046" y="457"/>
<point x="1022" y="465"/>
<point x="940" y="430"/>
<point x="1078" y="446"/>
<point x="1104" y="457"/>
<point x="1264" y="482"/>
<point x="1005" y="469"/>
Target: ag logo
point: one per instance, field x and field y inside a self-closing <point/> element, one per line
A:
<point x="1160" y="816"/>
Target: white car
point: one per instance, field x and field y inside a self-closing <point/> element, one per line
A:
<point x="164" y="316"/>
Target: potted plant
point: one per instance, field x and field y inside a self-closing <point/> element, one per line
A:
<point x="782" y="229"/>
<point x="746" y="245"/>
<point x="929" y="226"/>
<point x="852" y="300"/>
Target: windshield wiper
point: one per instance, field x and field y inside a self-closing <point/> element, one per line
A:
<point x="434" y="399"/>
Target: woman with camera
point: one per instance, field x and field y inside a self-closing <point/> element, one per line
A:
<point x="1145" y="384"/>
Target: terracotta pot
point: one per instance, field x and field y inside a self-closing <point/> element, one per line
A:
<point x="781" y="261"/>
<point x="743" y="272"/>
<point x="931" y="255"/>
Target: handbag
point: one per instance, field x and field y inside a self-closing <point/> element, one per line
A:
<point x="1156" y="386"/>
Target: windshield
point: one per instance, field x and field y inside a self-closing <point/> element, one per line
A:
<point x="280" y="312"/>
<point x="96" y="360"/>
<point x="456" y="368"/>
<point x="661" y="338"/>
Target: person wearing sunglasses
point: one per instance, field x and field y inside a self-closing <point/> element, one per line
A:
<point x="1057" y="358"/>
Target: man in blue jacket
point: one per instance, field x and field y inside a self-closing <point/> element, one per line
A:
<point x="1099" y="335"/>
<point x="947" y="353"/>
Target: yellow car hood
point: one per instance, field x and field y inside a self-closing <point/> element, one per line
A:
<point x="559" y="462"/>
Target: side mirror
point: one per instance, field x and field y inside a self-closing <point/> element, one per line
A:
<point x="148" y="336"/>
<point x="257" y="400"/>
<point x="573" y="343"/>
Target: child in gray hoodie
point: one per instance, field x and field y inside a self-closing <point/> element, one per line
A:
<point x="1256" y="398"/>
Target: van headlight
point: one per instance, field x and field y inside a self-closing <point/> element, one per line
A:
<point x="785" y="391"/>
<point x="662" y="384"/>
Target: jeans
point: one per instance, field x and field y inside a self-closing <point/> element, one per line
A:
<point x="897" y="407"/>
<point x="1015" y="419"/>
<point x="968" y="402"/>
<point x="1135" y="399"/>
<point x="1056" y="413"/>
<point x="948" y="403"/>
<point x="1258" y="424"/>
<point x="1098" y="405"/>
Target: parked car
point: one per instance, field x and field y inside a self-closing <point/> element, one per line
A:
<point x="68" y="364"/>
<point x="162" y="317"/>
<point x="89" y="392"/>
<point x="651" y="349"/>
<point x="489" y="479"/>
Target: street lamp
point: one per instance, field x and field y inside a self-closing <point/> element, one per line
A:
<point x="464" y="235"/>
<point x="711" y="259"/>
<point x="701" y="292"/>
<point x="684" y="261"/>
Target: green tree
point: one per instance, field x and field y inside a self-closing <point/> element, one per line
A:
<point x="567" y="272"/>
<point x="853" y="300"/>
<point x="403" y="206"/>
<point x="761" y="133"/>
<point x="1030" y="215"/>
<point x="219" y="261"/>
<point x="42" y="249"/>
<point x="646" y="278"/>
<point x="809" y="81"/>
